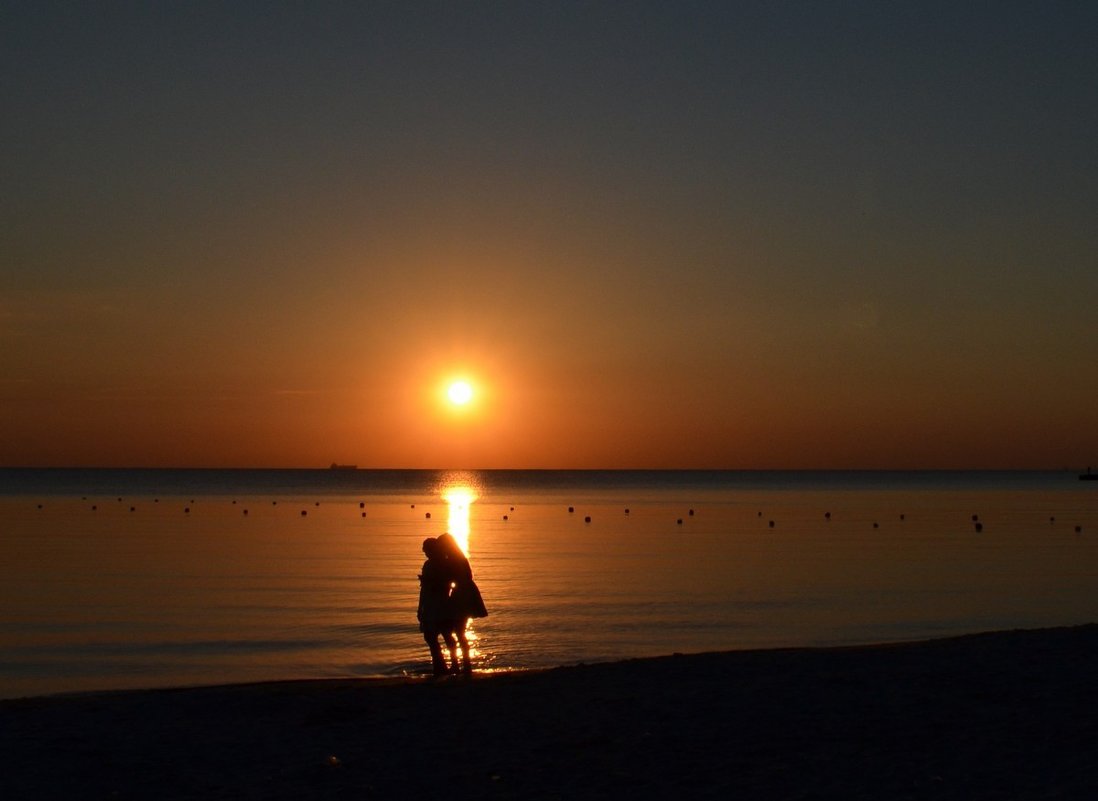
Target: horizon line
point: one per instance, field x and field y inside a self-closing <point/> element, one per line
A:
<point x="365" y="469"/>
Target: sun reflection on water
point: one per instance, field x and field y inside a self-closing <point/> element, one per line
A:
<point x="459" y="498"/>
<point x="460" y="491"/>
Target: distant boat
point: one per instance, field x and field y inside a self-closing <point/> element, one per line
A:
<point x="337" y="466"/>
<point x="1088" y="476"/>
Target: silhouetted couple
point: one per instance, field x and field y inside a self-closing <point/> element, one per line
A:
<point x="448" y="598"/>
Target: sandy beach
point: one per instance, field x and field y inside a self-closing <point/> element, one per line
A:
<point x="998" y="715"/>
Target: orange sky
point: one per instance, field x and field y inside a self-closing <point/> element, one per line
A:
<point x="710" y="240"/>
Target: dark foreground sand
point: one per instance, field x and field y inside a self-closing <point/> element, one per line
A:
<point x="996" y="716"/>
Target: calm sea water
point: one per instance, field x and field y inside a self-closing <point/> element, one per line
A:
<point x="141" y="578"/>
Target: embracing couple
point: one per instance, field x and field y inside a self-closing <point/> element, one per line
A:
<point x="448" y="598"/>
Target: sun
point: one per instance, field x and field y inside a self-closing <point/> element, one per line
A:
<point x="460" y="393"/>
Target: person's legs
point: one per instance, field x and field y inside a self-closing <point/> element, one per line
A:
<point x="438" y="665"/>
<point x="451" y="646"/>
<point x="466" y="657"/>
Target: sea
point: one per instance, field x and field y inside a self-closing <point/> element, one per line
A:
<point x="138" y="578"/>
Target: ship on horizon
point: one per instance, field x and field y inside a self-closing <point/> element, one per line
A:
<point x="338" y="466"/>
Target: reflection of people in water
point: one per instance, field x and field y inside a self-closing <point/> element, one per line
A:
<point x="434" y="611"/>
<point x="448" y="598"/>
<point x="465" y="598"/>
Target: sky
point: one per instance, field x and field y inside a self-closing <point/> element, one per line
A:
<point x="649" y="235"/>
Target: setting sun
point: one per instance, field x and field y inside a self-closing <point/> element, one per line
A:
<point x="460" y="393"/>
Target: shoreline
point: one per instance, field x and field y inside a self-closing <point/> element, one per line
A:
<point x="993" y="715"/>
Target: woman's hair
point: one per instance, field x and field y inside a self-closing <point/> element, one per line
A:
<point x="430" y="546"/>
<point x="448" y="544"/>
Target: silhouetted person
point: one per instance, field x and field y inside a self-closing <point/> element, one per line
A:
<point x="435" y="612"/>
<point x="465" y="598"/>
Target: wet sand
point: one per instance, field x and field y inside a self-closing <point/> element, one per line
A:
<point x="995" y="716"/>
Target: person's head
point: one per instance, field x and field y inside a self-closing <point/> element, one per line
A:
<point x="430" y="547"/>
<point x="448" y="545"/>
